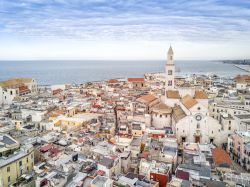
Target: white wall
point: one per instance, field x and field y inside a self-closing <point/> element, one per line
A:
<point x="241" y="86"/>
<point x="8" y="95"/>
<point x="186" y="91"/>
<point x="208" y="128"/>
<point x="161" y="120"/>
<point x="37" y="116"/>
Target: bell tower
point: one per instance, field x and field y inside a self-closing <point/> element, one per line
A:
<point x="170" y="70"/>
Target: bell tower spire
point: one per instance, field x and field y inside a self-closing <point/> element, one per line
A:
<point x="170" y="59"/>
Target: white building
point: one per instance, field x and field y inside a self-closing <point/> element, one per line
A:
<point x="161" y="116"/>
<point x="190" y="117"/>
<point x="14" y="87"/>
<point x="100" y="181"/>
<point x="110" y="166"/>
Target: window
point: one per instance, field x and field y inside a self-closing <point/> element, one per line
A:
<point x="8" y="169"/>
<point x="198" y="125"/>
<point x="20" y="163"/>
<point x="8" y="179"/>
<point x="27" y="159"/>
<point x="169" y="83"/>
<point x="171" y="57"/>
<point x="198" y="108"/>
<point x="229" y="122"/>
<point x="11" y="92"/>
<point x="170" y="72"/>
<point x="229" y="128"/>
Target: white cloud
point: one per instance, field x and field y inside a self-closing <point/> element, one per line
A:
<point x="121" y="22"/>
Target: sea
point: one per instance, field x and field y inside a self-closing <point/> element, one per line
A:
<point x="81" y="71"/>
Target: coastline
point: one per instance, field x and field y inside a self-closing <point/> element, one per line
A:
<point x="48" y="73"/>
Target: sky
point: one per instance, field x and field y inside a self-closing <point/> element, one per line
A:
<point x="124" y="29"/>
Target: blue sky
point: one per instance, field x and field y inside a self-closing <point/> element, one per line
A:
<point x="124" y="29"/>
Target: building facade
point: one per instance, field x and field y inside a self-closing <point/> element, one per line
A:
<point x="12" y="88"/>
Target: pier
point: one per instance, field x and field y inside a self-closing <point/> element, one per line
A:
<point x="244" y="67"/>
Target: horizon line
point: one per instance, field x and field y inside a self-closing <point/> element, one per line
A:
<point x="12" y="60"/>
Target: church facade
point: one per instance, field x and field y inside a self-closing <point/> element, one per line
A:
<point x="190" y="119"/>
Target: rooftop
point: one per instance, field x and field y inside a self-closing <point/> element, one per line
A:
<point x="108" y="162"/>
<point x="146" y="98"/>
<point x="243" y="116"/>
<point x="188" y="101"/>
<point x="161" y="108"/>
<point x="174" y="94"/>
<point x="200" y="95"/>
<point x="221" y="158"/>
<point x="7" y="140"/>
<point x="178" y="113"/>
<point x="15" y="156"/>
<point x="136" y="80"/>
<point x="14" y="82"/>
<point x="204" y="171"/>
<point x="99" y="181"/>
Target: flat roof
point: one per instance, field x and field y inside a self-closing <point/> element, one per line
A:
<point x="16" y="156"/>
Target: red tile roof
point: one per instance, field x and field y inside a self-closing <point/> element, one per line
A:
<point x="221" y="157"/>
<point x="200" y="95"/>
<point x="146" y="98"/>
<point x="174" y="94"/>
<point x="100" y="172"/>
<point x="24" y="89"/>
<point x="46" y="147"/>
<point x="188" y="101"/>
<point x="136" y="80"/>
<point x="54" y="92"/>
<point x="112" y="81"/>
<point x="240" y="77"/>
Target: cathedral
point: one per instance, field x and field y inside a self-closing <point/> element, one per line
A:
<point x="190" y="118"/>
